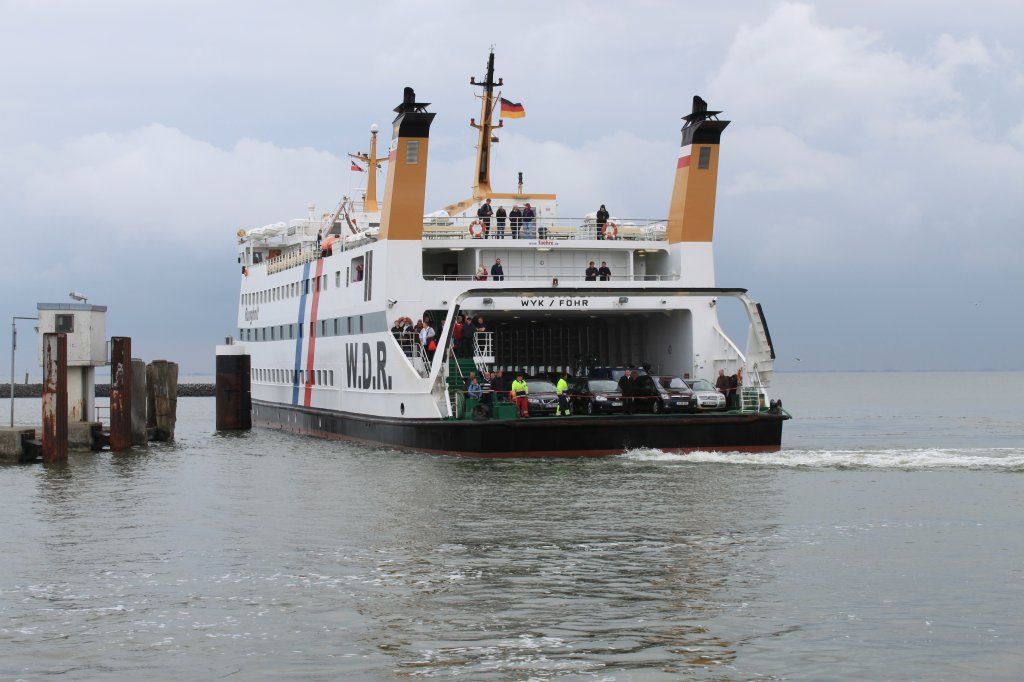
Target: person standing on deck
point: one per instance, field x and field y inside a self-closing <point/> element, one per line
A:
<point x="722" y="385"/>
<point x="602" y="220"/>
<point x="484" y="213"/>
<point x="497" y="272"/>
<point x="590" y="275"/>
<point x="604" y="272"/>
<point x="528" y="216"/>
<point x="466" y="346"/>
<point x="626" y="386"/>
<point x="499" y="218"/>
<point x="520" y="391"/>
<point x="515" y="221"/>
<point x="562" y="389"/>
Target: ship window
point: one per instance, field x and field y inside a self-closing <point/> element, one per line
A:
<point x="312" y="329"/>
<point x="360" y="324"/>
<point x="412" y="151"/>
<point x="272" y="335"/>
<point x="705" y="158"/>
<point x="337" y="327"/>
<point x="324" y="287"/>
<point x="323" y="327"/>
<point x="330" y="377"/>
<point x="337" y="279"/>
<point x="348" y="322"/>
<point x="319" y="377"/>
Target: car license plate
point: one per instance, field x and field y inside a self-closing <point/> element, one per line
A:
<point x="616" y="403"/>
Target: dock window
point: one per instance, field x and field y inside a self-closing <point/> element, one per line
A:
<point x="64" y="324"/>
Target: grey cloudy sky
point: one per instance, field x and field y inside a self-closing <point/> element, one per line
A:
<point x="869" y="196"/>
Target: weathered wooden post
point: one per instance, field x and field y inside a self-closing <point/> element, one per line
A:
<point x="55" y="398"/>
<point x="138" y="402"/>
<point x="162" y="398"/>
<point x="120" y="393"/>
<point x="234" y="397"/>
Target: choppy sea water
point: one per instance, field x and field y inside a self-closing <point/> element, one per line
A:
<point x="885" y="542"/>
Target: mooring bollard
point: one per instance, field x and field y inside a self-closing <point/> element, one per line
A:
<point x="55" y="398"/>
<point x="234" y="396"/>
<point x="138" y="402"/>
<point x="162" y="398"/>
<point x="120" y="393"/>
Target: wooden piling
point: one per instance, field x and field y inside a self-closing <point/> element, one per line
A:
<point x="120" y="393"/>
<point x="139" y="402"/>
<point x="234" y="397"/>
<point x="55" y="398"/>
<point x="162" y="398"/>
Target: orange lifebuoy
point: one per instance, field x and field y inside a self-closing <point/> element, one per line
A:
<point x="610" y="230"/>
<point x="476" y="229"/>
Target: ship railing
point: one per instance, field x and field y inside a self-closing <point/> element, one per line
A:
<point x="304" y="254"/>
<point x="410" y="344"/>
<point x="547" y="279"/>
<point x="483" y="348"/>
<point x="545" y="229"/>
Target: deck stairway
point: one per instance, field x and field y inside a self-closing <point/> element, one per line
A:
<point x="458" y="373"/>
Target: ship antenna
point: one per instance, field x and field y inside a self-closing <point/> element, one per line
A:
<point x="482" y="180"/>
<point x="372" y="162"/>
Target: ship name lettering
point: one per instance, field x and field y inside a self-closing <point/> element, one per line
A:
<point x="252" y="314"/>
<point x="554" y="302"/>
<point x="366" y="369"/>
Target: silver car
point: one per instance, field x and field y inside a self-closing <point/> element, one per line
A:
<point x="708" y="397"/>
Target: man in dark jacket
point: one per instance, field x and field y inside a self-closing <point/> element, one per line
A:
<point x="626" y="387"/>
<point x="604" y="272"/>
<point x="497" y="273"/>
<point x="515" y="220"/>
<point x="468" y="329"/>
<point x="484" y="213"/>
<point x="590" y="275"/>
<point x="499" y="219"/>
<point x="602" y="220"/>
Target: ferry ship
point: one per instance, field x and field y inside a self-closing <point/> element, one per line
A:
<point x="320" y="297"/>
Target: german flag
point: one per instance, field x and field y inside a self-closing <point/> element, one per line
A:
<point x="511" y="109"/>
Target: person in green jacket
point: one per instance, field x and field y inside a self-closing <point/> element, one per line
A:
<point x="562" y="389"/>
<point x="519" y="391"/>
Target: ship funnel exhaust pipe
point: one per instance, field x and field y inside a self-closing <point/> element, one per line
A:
<point x="405" y="189"/>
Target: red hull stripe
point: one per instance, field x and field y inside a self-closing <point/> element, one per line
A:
<point x="684" y="162"/>
<point x="312" y="332"/>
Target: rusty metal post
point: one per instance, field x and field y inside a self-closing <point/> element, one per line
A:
<point x="234" y="397"/>
<point x="162" y="398"/>
<point x="139" y="402"/>
<point x="55" y="398"/>
<point x="120" y="393"/>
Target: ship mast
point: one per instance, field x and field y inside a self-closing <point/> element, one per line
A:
<point x="482" y="180"/>
<point x="372" y="162"/>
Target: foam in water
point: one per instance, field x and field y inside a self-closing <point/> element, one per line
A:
<point x="989" y="459"/>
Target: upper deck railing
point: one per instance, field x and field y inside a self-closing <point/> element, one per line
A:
<point x="542" y="228"/>
<point x="298" y="239"/>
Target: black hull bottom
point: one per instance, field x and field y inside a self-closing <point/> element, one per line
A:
<point x="536" y="436"/>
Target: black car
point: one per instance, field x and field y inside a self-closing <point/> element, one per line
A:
<point x="677" y="388"/>
<point x="650" y="396"/>
<point x="542" y="400"/>
<point x="594" y="396"/>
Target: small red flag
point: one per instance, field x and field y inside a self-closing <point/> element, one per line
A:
<point x="355" y="167"/>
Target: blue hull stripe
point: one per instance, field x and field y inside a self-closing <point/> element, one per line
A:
<point x="298" y="337"/>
